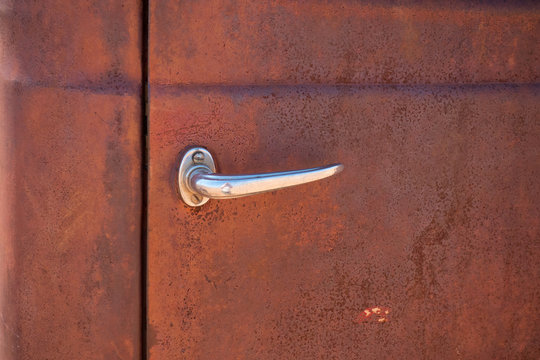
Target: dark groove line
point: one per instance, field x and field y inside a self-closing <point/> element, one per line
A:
<point x="128" y="87"/>
<point x="268" y="88"/>
<point x="144" y="176"/>
<point x="340" y="85"/>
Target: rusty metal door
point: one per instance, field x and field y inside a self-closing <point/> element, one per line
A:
<point x="425" y="246"/>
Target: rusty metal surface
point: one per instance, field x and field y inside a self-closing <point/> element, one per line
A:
<point x="321" y="42"/>
<point x="70" y="163"/>
<point x="426" y="246"/>
<point x="435" y="220"/>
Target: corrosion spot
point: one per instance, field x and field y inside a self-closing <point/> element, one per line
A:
<point x="374" y="314"/>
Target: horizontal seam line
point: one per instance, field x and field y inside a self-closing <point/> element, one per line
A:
<point x="269" y="85"/>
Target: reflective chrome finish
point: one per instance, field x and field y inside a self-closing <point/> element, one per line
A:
<point x="198" y="181"/>
<point x="192" y="160"/>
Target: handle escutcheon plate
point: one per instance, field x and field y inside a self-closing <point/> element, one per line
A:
<point x="193" y="159"/>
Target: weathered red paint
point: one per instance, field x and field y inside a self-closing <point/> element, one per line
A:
<point x="435" y="216"/>
<point x="70" y="193"/>
<point x="346" y="42"/>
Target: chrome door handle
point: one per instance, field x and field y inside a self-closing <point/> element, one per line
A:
<point x="198" y="181"/>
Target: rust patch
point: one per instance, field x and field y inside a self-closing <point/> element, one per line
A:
<point x="378" y="314"/>
<point x="434" y="218"/>
<point x="346" y="42"/>
<point x="70" y="160"/>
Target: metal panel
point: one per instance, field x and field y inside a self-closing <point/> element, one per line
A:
<point x="70" y="165"/>
<point x="435" y="219"/>
<point x="322" y="42"/>
<point x="426" y="246"/>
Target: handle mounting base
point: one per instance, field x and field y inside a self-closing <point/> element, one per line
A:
<point x="193" y="157"/>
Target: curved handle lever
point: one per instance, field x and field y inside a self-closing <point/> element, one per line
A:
<point x="198" y="181"/>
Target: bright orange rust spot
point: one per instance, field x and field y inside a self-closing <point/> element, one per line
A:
<point x="374" y="314"/>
